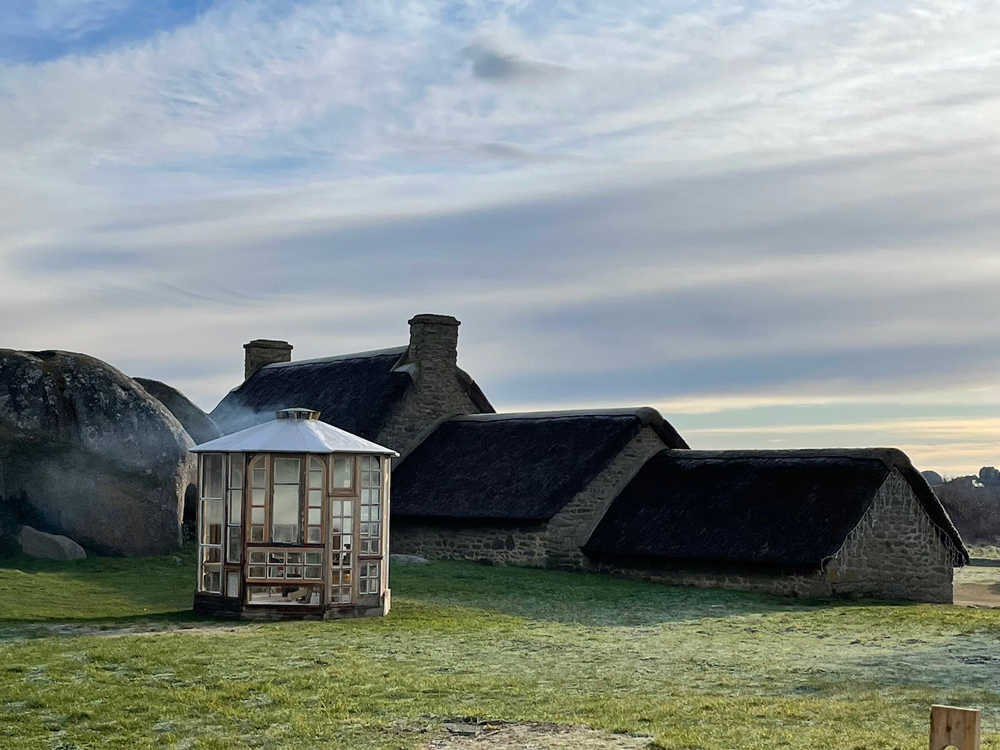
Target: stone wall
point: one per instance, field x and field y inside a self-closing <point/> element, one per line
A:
<point x="437" y="393"/>
<point x="490" y="542"/>
<point x="260" y="352"/>
<point x="571" y="527"/>
<point x="553" y="544"/>
<point x="895" y="552"/>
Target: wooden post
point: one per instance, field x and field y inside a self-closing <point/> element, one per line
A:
<point x="954" y="727"/>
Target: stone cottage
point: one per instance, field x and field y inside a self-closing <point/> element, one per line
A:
<point x="525" y="489"/>
<point x="608" y="490"/>
<point x="860" y="523"/>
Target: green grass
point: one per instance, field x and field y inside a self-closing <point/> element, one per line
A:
<point x="694" y="669"/>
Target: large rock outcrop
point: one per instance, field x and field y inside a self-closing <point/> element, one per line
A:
<point x="88" y="453"/>
<point x="195" y="422"/>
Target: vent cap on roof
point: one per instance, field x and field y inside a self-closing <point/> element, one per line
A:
<point x="296" y="414"/>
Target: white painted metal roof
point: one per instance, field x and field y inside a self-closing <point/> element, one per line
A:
<point x="292" y="436"/>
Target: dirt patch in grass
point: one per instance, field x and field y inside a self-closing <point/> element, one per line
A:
<point x="978" y="586"/>
<point x="534" y="737"/>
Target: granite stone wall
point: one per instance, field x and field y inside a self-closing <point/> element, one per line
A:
<point x="895" y="552"/>
<point x="437" y="392"/>
<point x="492" y="542"/>
<point x="570" y="528"/>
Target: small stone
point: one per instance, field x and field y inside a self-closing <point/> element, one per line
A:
<point x="463" y="730"/>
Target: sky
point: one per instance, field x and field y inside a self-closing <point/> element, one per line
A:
<point x="777" y="221"/>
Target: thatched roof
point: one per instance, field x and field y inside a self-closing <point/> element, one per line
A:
<point x="195" y="422"/>
<point x="785" y="507"/>
<point x="514" y="466"/>
<point x="355" y="392"/>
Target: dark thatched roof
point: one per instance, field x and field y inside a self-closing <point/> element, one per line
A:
<point x="195" y="422"/>
<point x="787" y="507"/>
<point x="514" y="466"/>
<point x="355" y="392"/>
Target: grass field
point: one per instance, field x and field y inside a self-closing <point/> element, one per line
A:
<point x="105" y="653"/>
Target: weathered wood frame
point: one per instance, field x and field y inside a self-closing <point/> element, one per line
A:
<point x="212" y="602"/>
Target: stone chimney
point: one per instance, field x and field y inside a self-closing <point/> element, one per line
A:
<point x="434" y="346"/>
<point x="262" y="352"/>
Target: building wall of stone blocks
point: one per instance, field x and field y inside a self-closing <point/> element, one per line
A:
<point x="570" y="528"/>
<point x="896" y="552"/>
<point x="488" y="541"/>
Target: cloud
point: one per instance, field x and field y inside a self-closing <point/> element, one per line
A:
<point x="492" y="65"/>
<point x="787" y="205"/>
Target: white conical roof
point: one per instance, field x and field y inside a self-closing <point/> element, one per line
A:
<point x="292" y="436"/>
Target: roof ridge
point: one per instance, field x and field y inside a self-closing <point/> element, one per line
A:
<point x="338" y="357"/>
<point x="553" y="414"/>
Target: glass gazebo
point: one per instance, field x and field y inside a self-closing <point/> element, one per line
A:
<point x="293" y="522"/>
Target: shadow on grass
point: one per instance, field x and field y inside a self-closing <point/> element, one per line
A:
<point x="584" y="598"/>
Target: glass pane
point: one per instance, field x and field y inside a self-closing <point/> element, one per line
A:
<point x="235" y="545"/>
<point x="366" y="497"/>
<point x="287" y="470"/>
<point x="336" y="507"/>
<point x="232" y="584"/>
<point x="285" y="514"/>
<point x="212" y="580"/>
<point x="256" y="533"/>
<point x="335" y="542"/>
<point x="316" y="480"/>
<point x="258" y="497"/>
<point x="365" y="515"/>
<point x="348" y="508"/>
<point x="337" y="525"/>
<point x="257" y="556"/>
<point x="294" y="558"/>
<point x="258" y="571"/>
<point x="315" y="535"/>
<point x="347" y="541"/>
<point x="313" y="572"/>
<point x="343" y="470"/>
<point x="259" y="478"/>
<point x="315" y="515"/>
<point x="212" y="473"/>
<point x="293" y="571"/>
<point x="235" y="507"/>
<point x="366" y="462"/>
<point x="335" y="577"/>
<point x="313" y="558"/>
<point x="315" y="498"/>
<point x="276" y="558"/>
<point x="257" y="515"/>
<point x="275" y="572"/>
<point x="212" y="554"/>
<point x="236" y="470"/>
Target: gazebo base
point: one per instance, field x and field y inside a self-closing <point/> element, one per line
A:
<point x="213" y="605"/>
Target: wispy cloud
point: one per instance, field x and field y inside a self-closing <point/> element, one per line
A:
<point x="702" y="207"/>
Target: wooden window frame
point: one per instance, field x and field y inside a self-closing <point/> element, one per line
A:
<point x="355" y="475"/>
<point x="302" y="458"/>
<point x="248" y="505"/>
<point x="201" y="529"/>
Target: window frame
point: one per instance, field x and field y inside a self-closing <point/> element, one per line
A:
<point x="203" y="546"/>
<point x="302" y="458"/>
<point x="355" y="469"/>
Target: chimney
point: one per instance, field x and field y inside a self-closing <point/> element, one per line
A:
<point x="434" y="345"/>
<point x="262" y="352"/>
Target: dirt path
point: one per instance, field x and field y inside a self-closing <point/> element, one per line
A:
<point x="534" y="737"/>
<point x="977" y="586"/>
